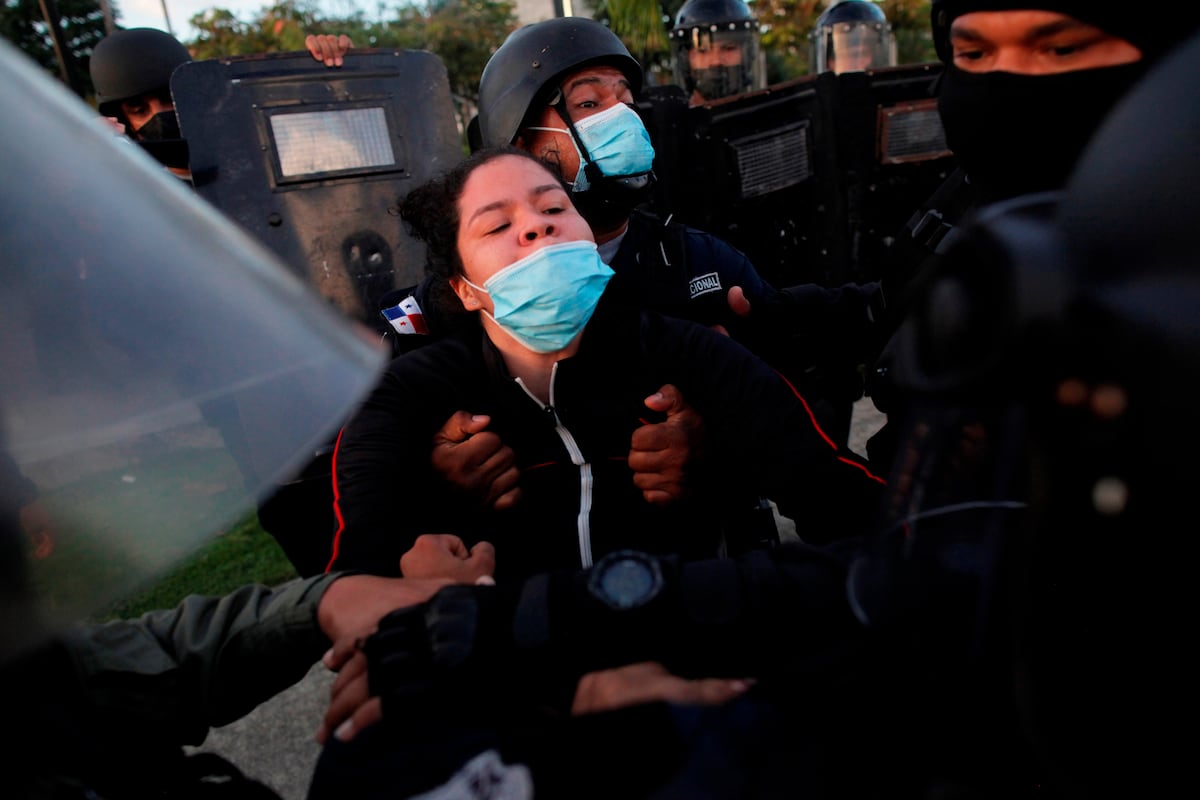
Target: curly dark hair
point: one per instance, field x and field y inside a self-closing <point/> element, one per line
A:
<point x="431" y="213"/>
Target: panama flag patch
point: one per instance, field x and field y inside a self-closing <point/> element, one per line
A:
<point x="406" y="316"/>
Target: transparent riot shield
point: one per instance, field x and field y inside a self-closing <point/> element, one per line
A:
<point x="160" y="367"/>
<point x="311" y="161"/>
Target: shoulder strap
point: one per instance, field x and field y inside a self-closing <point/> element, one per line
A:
<point x="664" y="242"/>
<point x="944" y="209"/>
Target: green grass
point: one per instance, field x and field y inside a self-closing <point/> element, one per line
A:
<point x="244" y="554"/>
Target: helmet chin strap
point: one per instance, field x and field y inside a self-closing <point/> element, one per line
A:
<point x="608" y="201"/>
<point x="589" y="167"/>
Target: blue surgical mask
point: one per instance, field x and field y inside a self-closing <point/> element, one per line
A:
<point x="617" y="142"/>
<point x="544" y="300"/>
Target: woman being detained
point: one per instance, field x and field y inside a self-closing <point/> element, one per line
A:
<point x="563" y="378"/>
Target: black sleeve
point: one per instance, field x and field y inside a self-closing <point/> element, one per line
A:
<point x="782" y="612"/>
<point x="758" y="421"/>
<point x="765" y="613"/>
<point x="385" y="490"/>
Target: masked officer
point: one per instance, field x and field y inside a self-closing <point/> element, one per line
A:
<point x="715" y="50"/>
<point x="131" y="72"/>
<point x="851" y="36"/>
<point x="1025" y="84"/>
<point x="1017" y="638"/>
<point x="563" y="89"/>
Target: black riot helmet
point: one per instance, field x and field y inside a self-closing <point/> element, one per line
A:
<point x="139" y="61"/>
<point x="133" y="62"/>
<point x="526" y="73"/>
<point x="714" y="44"/>
<point x="532" y="62"/>
<point x="851" y="36"/>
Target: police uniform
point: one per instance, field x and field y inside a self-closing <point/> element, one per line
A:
<point x="129" y="694"/>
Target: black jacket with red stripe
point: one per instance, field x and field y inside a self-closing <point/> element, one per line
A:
<point x="578" y="496"/>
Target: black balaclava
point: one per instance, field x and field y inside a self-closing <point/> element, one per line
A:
<point x="160" y="137"/>
<point x="1016" y="134"/>
<point x="162" y="126"/>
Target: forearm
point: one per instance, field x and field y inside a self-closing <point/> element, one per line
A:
<point x="755" y="616"/>
<point x="204" y="663"/>
<point x="763" y="615"/>
<point x="383" y="484"/>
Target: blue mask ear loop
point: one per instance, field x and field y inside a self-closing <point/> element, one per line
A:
<point x="590" y="169"/>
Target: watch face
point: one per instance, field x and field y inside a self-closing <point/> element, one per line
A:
<point x="626" y="580"/>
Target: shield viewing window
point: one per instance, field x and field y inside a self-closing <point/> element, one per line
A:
<point x="768" y="162"/>
<point x="342" y="141"/>
<point x="911" y="132"/>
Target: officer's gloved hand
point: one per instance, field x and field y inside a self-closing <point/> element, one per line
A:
<point x="424" y="657"/>
<point x="455" y="657"/>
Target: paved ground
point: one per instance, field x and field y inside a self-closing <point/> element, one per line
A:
<point x="274" y="744"/>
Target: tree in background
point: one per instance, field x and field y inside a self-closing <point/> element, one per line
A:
<point x="644" y="27"/>
<point x="280" y="28"/>
<point x="462" y="33"/>
<point x="910" y="23"/>
<point x="82" y="22"/>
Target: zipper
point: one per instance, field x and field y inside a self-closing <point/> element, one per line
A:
<point x="582" y="522"/>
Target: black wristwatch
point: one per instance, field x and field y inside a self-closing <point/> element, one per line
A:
<point x="625" y="580"/>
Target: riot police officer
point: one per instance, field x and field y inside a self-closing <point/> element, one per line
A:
<point x="131" y="72"/>
<point x="851" y="36"/>
<point x="1026" y="83"/>
<point x="715" y="52"/>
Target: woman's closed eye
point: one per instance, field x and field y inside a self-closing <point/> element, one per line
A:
<point x="494" y="224"/>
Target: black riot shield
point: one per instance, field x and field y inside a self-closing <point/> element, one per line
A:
<point x="813" y="178"/>
<point x="312" y="160"/>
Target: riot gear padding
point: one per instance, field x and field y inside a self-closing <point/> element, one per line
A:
<point x="133" y="62"/>
<point x="1067" y="322"/>
<point x="851" y="36"/>
<point x="188" y="345"/>
<point x="531" y="62"/>
<point x="715" y="48"/>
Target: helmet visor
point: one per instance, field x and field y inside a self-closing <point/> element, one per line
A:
<point x="853" y="47"/>
<point x="716" y="64"/>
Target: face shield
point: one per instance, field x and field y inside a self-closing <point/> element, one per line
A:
<point x="716" y="64"/>
<point x="161" y="369"/>
<point x="852" y="47"/>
